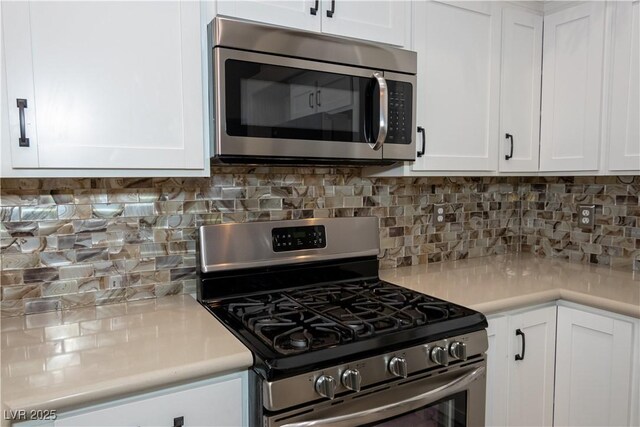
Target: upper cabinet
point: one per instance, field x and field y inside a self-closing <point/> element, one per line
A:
<point x="384" y="21"/>
<point x="103" y="89"/>
<point x="520" y="90"/>
<point x="458" y="47"/>
<point x="517" y="88"/>
<point x="301" y="14"/>
<point x="572" y="88"/>
<point x="624" y="114"/>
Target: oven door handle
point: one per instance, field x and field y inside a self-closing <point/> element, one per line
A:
<point x="398" y="408"/>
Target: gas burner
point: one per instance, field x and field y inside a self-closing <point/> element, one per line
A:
<point x="305" y="319"/>
<point x="304" y="339"/>
<point x="299" y="339"/>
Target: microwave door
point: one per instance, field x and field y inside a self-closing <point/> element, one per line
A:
<point x="283" y="108"/>
<point x="400" y="142"/>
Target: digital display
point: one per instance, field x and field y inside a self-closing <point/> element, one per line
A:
<point x="298" y="238"/>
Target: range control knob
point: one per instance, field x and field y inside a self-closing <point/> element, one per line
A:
<point x="458" y="350"/>
<point x="326" y="386"/>
<point x="439" y="355"/>
<point x="351" y="379"/>
<point x="398" y="366"/>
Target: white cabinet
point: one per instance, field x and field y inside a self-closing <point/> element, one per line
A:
<point x="218" y="402"/>
<point x="520" y="90"/>
<point x="624" y="115"/>
<point x="497" y="371"/>
<point x="108" y="86"/>
<point x="572" y="88"/>
<point x="532" y="338"/>
<point x="520" y="368"/>
<point x="302" y="14"/>
<point x="458" y="47"/>
<point x="579" y="367"/>
<point x="384" y="21"/>
<point x="594" y="367"/>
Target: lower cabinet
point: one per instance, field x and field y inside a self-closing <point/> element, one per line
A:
<point x="216" y="402"/>
<point x="580" y="367"/>
<point x="594" y="367"/>
<point x="520" y="368"/>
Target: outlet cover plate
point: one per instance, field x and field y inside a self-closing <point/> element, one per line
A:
<point x="439" y="214"/>
<point x="586" y="216"/>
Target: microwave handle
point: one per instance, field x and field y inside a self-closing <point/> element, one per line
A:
<point x="384" y="111"/>
<point x="374" y="414"/>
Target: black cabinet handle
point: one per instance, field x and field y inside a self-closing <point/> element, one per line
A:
<point x="424" y="141"/>
<point x="318" y="100"/>
<point x="311" y="100"/>
<point x="524" y="343"/>
<point x="332" y="10"/>
<point x="23" y="141"/>
<point x="510" y="155"/>
<point x="178" y="422"/>
<point x="314" y="9"/>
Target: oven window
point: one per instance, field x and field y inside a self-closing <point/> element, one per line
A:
<point x="270" y="101"/>
<point x="448" y="412"/>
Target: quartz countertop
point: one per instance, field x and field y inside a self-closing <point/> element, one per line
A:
<point x="503" y="282"/>
<point x="68" y="359"/>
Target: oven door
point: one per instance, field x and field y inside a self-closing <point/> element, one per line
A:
<point x="455" y="398"/>
<point x="278" y="108"/>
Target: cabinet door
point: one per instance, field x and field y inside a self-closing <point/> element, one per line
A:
<point x="108" y="85"/>
<point x="571" y="88"/>
<point x="300" y="14"/>
<point x="593" y="369"/>
<point x="530" y="395"/>
<point x="380" y="21"/>
<point x="624" y="131"/>
<point x="497" y="372"/>
<point x="520" y="90"/>
<point x="218" y="404"/>
<point x="458" y="47"/>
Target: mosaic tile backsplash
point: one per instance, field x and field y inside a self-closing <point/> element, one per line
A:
<point x="81" y="242"/>
<point x="550" y="219"/>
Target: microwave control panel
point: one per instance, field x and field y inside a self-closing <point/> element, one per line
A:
<point x="400" y="112"/>
<point x="296" y="238"/>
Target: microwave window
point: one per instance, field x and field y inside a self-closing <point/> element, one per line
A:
<point x="270" y="101"/>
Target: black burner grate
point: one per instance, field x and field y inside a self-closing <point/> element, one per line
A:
<point x="312" y="318"/>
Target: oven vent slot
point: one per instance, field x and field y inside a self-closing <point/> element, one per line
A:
<point x="337" y="402"/>
<point x="295" y="414"/>
<point x="414" y="379"/>
<point x="361" y="394"/>
<point x="470" y="362"/>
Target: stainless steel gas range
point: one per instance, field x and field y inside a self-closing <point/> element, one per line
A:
<point x="333" y="345"/>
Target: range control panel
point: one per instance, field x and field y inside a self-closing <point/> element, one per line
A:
<point x="296" y="238"/>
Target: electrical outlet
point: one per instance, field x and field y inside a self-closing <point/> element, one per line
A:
<point x="115" y="282"/>
<point x="438" y="214"/>
<point x="586" y="216"/>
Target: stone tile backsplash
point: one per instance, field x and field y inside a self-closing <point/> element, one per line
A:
<point x="80" y="242"/>
<point x="550" y="219"/>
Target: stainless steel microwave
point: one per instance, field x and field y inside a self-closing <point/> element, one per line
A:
<point x="279" y="95"/>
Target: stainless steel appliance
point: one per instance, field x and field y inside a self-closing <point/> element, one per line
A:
<point x="334" y="345"/>
<point x="283" y="95"/>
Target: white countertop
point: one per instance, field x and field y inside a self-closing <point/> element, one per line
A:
<point x="64" y="360"/>
<point x="503" y="282"/>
